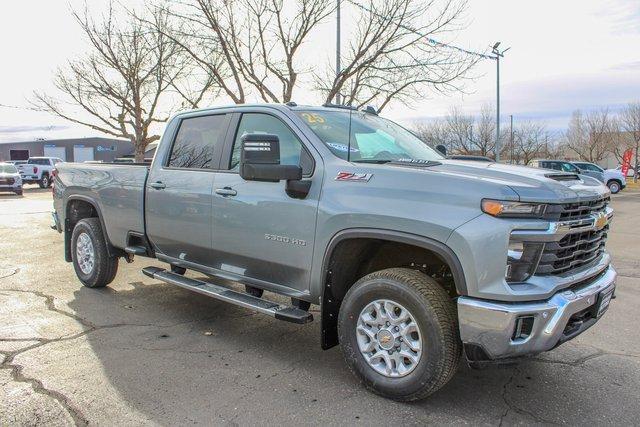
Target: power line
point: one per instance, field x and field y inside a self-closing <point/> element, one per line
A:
<point x="430" y="40"/>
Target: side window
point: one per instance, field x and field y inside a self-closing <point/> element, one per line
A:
<point x="553" y="165"/>
<point x="568" y="167"/>
<point x="290" y="145"/>
<point x="196" y="142"/>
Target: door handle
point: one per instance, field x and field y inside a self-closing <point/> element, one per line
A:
<point x="226" y="191"/>
<point x="158" y="185"/>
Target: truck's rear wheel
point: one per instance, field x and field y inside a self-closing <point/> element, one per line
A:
<point x="91" y="261"/>
<point x="398" y="331"/>
<point x="44" y="181"/>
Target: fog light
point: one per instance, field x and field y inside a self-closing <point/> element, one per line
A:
<point x="523" y="328"/>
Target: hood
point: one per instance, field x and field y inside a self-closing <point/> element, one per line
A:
<point x="531" y="184"/>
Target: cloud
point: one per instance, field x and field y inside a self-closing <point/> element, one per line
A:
<point x="27" y="128"/>
<point x="552" y="100"/>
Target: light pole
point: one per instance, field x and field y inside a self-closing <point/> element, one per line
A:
<point x="511" y="118"/>
<point x="338" y="48"/>
<point x="498" y="54"/>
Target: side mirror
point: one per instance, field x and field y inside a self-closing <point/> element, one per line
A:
<point x="442" y="149"/>
<point x="260" y="160"/>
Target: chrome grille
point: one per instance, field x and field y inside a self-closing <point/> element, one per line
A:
<point x="579" y="210"/>
<point x="575" y="249"/>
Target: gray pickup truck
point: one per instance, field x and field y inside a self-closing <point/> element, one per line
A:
<point x="414" y="260"/>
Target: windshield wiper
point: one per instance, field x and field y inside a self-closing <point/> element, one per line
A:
<point x="377" y="161"/>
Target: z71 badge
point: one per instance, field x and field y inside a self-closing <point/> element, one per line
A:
<point x="351" y="176"/>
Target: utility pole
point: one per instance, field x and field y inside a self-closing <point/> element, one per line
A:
<point x="338" y="48"/>
<point x="511" y="118"/>
<point x="498" y="55"/>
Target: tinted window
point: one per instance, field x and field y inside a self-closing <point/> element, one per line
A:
<point x="589" y="167"/>
<point x="552" y="165"/>
<point x="196" y="142"/>
<point x="290" y="145"/>
<point x="568" y="167"/>
<point x="39" y="162"/>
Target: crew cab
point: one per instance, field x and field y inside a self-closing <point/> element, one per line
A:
<point x="39" y="170"/>
<point x="415" y="260"/>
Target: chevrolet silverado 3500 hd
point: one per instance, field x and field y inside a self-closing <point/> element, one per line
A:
<point x="415" y="260"/>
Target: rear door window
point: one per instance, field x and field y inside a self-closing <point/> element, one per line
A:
<point x="197" y="142"/>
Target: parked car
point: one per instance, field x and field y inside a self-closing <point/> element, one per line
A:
<point x="614" y="179"/>
<point x="17" y="162"/>
<point x="630" y="172"/>
<point x="38" y="169"/>
<point x="10" y="180"/>
<point x="414" y="259"/>
<point x="470" y="157"/>
<point x="559" y="165"/>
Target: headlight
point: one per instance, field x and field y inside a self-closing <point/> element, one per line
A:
<point x="506" y="209"/>
<point x="522" y="260"/>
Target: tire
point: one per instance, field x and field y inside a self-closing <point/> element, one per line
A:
<point x="434" y="312"/>
<point x="104" y="267"/>
<point x="614" y="186"/>
<point x="44" y="181"/>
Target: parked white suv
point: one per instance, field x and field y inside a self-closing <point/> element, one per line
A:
<point x="613" y="178"/>
<point x="10" y="180"/>
<point x="38" y="169"/>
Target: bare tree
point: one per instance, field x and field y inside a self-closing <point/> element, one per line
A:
<point x="118" y="88"/>
<point x="391" y="58"/>
<point x="484" y="139"/>
<point x="630" y="124"/>
<point x="531" y="140"/>
<point x="246" y="46"/>
<point x="590" y="136"/>
<point x="460" y="129"/>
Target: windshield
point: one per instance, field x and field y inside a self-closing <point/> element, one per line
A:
<point x="6" y="168"/>
<point x="367" y="137"/>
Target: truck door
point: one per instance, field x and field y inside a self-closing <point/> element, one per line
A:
<point x="261" y="233"/>
<point x="179" y="189"/>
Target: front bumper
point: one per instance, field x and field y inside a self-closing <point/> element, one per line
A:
<point x="11" y="188"/>
<point x="487" y="328"/>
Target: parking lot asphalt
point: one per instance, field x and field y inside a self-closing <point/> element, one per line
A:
<point x="144" y="352"/>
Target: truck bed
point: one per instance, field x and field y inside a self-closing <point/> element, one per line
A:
<point x="115" y="189"/>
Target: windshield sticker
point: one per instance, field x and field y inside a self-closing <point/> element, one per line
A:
<point x="342" y="147"/>
<point x="351" y="176"/>
<point x="313" y="118"/>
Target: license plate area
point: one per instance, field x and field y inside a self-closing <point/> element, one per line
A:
<point x="604" y="299"/>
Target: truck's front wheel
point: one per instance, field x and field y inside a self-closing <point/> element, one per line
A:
<point x="91" y="261"/>
<point x="398" y="331"/>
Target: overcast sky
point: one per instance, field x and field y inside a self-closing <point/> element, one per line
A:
<point x="564" y="55"/>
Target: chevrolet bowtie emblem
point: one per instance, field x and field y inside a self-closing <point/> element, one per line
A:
<point x="601" y="221"/>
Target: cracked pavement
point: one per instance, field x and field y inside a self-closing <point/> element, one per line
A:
<point x="146" y="353"/>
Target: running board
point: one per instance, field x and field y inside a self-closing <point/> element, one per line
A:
<point x="280" y="312"/>
<point x="136" y="250"/>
